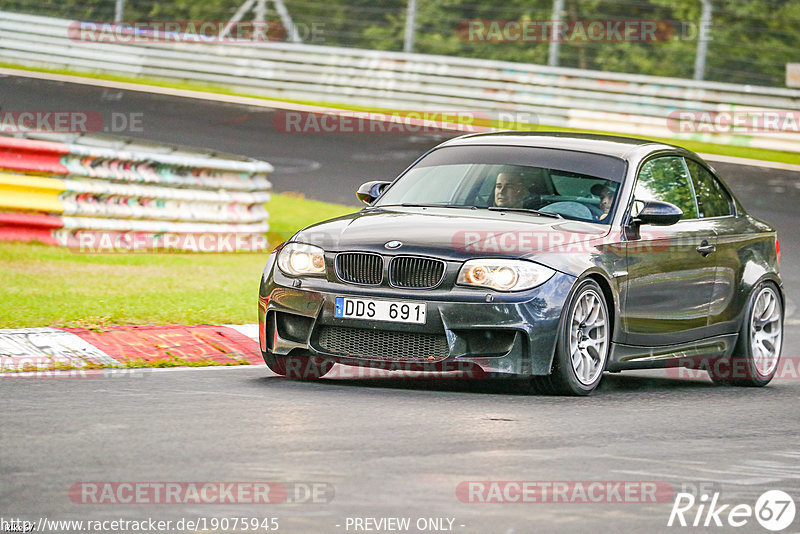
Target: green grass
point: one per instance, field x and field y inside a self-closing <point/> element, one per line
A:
<point x="691" y="144"/>
<point x="54" y="286"/>
<point x="289" y="212"/>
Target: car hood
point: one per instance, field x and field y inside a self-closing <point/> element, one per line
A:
<point x="455" y="234"/>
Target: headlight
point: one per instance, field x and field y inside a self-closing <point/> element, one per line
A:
<point x="503" y="275"/>
<point x="298" y="258"/>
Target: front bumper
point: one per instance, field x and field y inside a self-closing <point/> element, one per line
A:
<point x="513" y="333"/>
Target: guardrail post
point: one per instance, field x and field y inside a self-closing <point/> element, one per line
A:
<point x="702" y="41"/>
<point x="119" y="10"/>
<point x="260" y="11"/>
<point x="411" y="15"/>
<point x="558" y="8"/>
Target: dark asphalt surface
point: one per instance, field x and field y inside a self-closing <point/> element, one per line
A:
<point x="390" y="447"/>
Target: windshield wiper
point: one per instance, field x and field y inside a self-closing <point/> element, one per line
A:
<point x="527" y="210"/>
<point x="411" y="205"/>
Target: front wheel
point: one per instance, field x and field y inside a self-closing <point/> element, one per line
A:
<point x="305" y="367"/>
<point x="583" y="344"/>
<point x="754" y="361"/>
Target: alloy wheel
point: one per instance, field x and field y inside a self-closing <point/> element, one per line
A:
<point x="588" y="337"/>
<point x="766" y="331"/>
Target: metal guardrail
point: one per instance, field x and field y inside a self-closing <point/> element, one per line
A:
<point x="99" y="193"/>
<point x="622" y="103"/>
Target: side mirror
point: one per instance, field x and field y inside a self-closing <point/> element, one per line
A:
<point x="369" y="191"/>
<point x="658" y="213"/>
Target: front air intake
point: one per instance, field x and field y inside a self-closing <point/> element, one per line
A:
<point x="383" y="345"/>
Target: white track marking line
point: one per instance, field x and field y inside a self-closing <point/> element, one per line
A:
<point x="260" y="366"/>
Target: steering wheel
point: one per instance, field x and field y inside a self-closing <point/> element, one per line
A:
<point x="569" y="208"/>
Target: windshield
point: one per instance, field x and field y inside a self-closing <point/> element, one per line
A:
<point x="538" y="185"/>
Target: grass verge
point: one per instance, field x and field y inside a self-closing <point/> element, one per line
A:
<point x="689" y="143"/>
<point x="54" y="286"/>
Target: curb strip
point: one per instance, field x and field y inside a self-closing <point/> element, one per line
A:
<point x="122" y="346"/>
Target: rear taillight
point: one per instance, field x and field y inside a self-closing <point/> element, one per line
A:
<point x="778" y="249"/>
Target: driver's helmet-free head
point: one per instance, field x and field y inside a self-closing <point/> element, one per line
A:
<point x="518" y="186"/>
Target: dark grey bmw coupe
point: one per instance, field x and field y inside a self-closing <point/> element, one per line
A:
<point x="554" y="257"/>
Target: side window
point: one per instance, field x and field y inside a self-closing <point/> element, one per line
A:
<point x="712" y="199"/>
<point x="666" y="179"/>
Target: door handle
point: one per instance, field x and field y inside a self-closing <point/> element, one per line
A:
<point x="706" y="248"/>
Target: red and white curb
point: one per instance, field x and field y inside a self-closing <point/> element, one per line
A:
<point x="122" y="346"/>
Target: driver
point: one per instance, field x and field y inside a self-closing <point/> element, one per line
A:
<point x="515" y="189"/>
<point x="510" y="190"/>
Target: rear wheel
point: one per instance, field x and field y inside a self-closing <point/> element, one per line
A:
<point x="304" y="367"/>
<point x="583" y="344"/>
<point x="754" y="361"/>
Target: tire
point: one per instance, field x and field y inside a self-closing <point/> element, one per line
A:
<point x="756" y="356"/>
<point x="584" y="340"/>
<point x="305" y="367"/>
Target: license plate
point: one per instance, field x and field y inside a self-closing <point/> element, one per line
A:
<point x="380" y="310"/>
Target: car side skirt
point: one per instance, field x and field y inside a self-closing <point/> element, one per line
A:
<point x="627" y="357"/>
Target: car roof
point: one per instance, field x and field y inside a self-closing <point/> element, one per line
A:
<point x="610" y="145"/>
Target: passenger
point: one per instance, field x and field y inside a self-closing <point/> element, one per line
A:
<point x="606" y="195"/>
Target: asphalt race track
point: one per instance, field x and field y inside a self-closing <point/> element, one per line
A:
<point x="386" y="447"/>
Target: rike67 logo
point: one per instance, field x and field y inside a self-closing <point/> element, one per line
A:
<point x="774" y="510"/>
